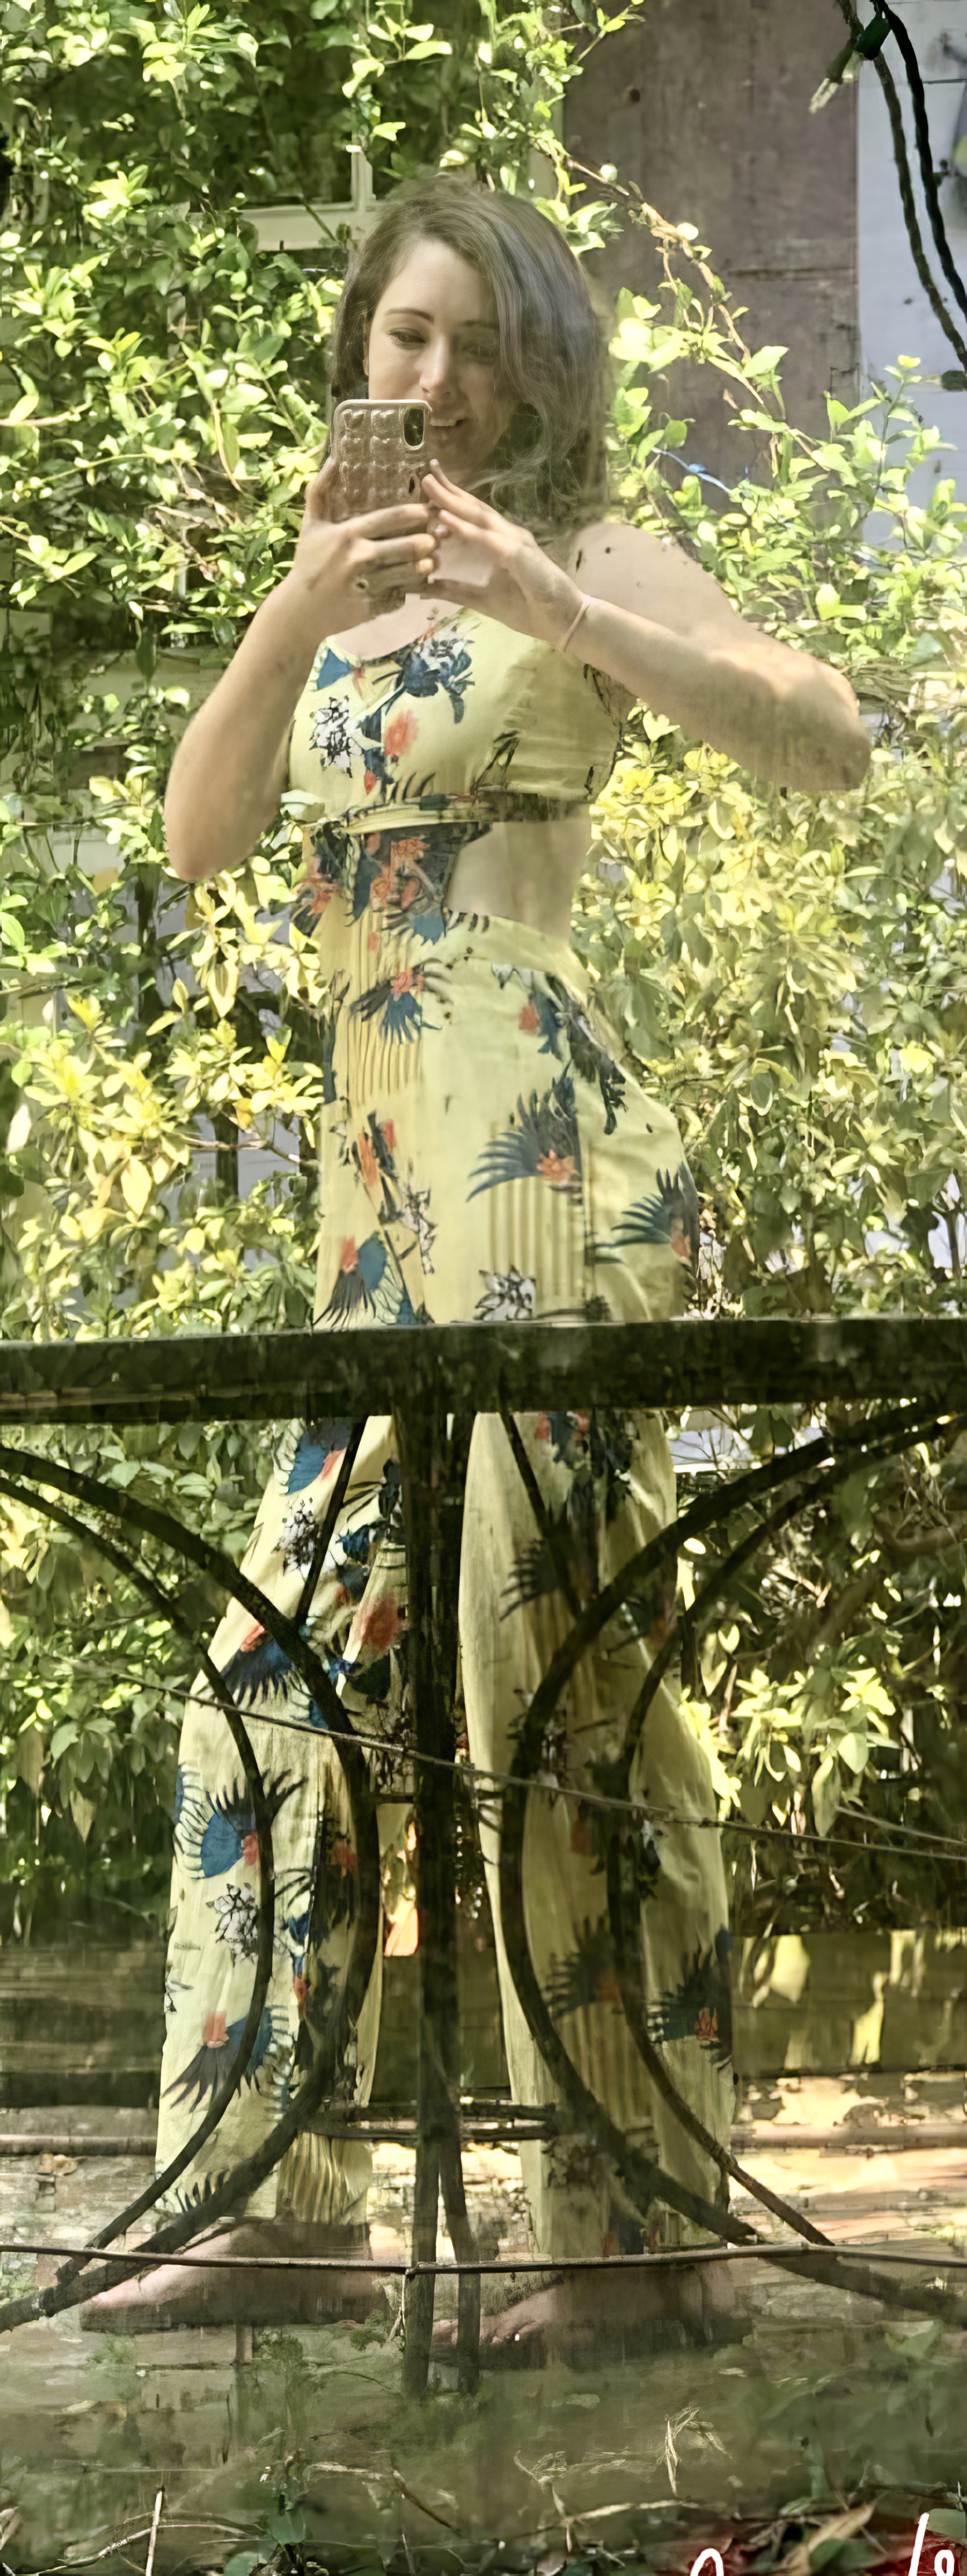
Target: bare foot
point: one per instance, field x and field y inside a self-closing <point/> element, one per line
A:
<point x="641" y="2311"/>
<point x="178" y="2294"/>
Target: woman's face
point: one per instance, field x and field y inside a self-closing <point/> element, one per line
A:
<point x="433" y="338"/>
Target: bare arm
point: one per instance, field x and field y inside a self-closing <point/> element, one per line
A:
<point x="229" y="771"/>
<point x="663" y="627"/>
<point x="665" y="630"/>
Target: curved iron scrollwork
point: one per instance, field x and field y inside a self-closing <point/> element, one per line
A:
<point x="347" y="2003"/>
<point x="433" y="1457"/>
<point x="815" y="1467"/>
<point x="255" y="1785"/>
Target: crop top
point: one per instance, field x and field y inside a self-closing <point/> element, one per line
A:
<point x="467" y="725"/>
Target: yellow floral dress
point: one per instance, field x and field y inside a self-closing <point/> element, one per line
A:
<point x="484" y="1154"/>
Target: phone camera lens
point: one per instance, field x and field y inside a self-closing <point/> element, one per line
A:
<point x="413" y="426"/>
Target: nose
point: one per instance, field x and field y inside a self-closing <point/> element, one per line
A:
<point x="438" y="372"/>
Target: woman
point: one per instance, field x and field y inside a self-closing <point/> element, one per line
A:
<point x="484" y="1153"/>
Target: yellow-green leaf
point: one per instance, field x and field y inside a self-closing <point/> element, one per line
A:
<point x="136" y="1185"/>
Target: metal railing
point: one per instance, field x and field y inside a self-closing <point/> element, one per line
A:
<point x="433" y="1382"/>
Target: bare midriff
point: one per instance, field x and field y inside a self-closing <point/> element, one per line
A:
<point x="517" y="871"/>
<point x="524" y="872"/>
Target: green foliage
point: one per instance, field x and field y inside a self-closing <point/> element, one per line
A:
<point x="788" y="974"/>
<point x="164" y="397"/>
<point x="788" y="970"/>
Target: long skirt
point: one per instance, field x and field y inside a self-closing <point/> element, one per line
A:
<point x="484" y="1155"/>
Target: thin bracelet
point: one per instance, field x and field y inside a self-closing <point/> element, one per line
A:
<point x="575" y="621"/>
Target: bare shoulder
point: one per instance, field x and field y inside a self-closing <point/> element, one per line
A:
<point x="652" y="577"/>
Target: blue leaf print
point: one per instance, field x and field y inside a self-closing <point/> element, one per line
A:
<point x="333" y="666"/>
<point x="541" y="1143"/>
<point x="670" y="1216"/>
<point x="211" y="1847"/>
<point x="397" y="1001"/>
<point x="318" y="1444"/>
<point x="222" y="1844"/>
<point x="429" y="926"/>
<point x="216" y="2056"/>
<point x="368" y="866"/>
<point x="366" y="1282"/>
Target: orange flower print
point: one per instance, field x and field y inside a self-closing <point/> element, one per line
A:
<point x="367" y="1159"/>
<point x="528" y="1020"/>
<point x="408" y="854"/>
<point x="369" y="781"/>
<point x="556" y="1168"/>
<point x="400" y="732"/>
<point x="300" y="1989"/>
<point x="348" y="1256"/>
<point x="314" y="890"/>
<point x="542" y="1427"/>
<point x="376" y="1627"/>
<point x="375" y="940"/>
<point x="371" y="843"/>
<point x="344" y="1857"/>
<point x="409" y="981"/>
<point x="215" y="2032"/>
<point x="388" y="1133"/>
<point x="250" y="1850"/>
<point x="707" y="2025"/>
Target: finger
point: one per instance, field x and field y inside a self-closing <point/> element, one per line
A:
<point x="446" y="494"/>
<point x="396" y="522"/>
<point x="453" y="496"/>
<point x="394" y="551"/>
<point x="389" y="577"/>
<point x="319" y="486"/>
<point x="407" y="574"/>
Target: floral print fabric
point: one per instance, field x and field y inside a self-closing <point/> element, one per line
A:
<point x="484" y="1155"/>
<point x="468" y="721"/>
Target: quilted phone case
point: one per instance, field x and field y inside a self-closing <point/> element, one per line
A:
<point x="382" y="454"/>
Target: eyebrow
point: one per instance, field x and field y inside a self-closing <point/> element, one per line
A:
<point x="416" y="313"/>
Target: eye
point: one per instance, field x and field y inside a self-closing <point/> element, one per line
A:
<point x="407" y="339"/>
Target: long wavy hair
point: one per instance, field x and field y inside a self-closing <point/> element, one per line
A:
<point x="549" y="469"/>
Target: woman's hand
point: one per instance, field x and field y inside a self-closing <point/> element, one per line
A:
<point x="486" y="562"/>
<point x="352" y="568"/>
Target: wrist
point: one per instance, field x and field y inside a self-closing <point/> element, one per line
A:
<point x="295" y="615"/>
<point x="578" y="614"/>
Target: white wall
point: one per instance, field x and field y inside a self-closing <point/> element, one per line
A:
<point x="895" y="313"/>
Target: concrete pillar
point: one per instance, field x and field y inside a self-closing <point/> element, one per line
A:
<point x="705" y="106"/>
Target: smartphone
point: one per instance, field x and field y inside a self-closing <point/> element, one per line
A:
<point x="381" y="451"/>
<point x="382" y="454"/>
